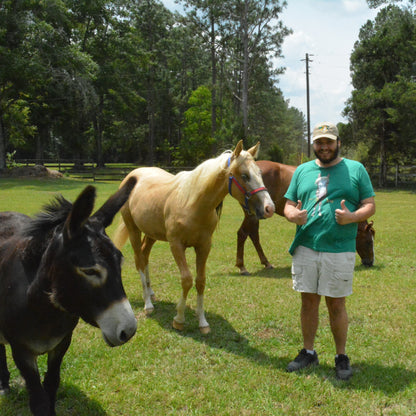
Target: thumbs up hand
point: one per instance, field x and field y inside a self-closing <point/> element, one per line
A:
<point x="301" y="215"/>
<point x="344" y="215"/>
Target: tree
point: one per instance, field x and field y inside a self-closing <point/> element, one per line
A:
<point x="259" y="35"/>
<point x="382" y="62"/>
<point x="196" y="145"/>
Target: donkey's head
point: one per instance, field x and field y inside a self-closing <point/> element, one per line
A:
<point x="84" y="267"/>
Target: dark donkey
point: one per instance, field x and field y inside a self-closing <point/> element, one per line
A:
<point x="55" y="268"/>
<point x="276" y="178"/>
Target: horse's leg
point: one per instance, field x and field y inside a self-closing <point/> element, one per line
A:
<point x="52" y="376"/>
<point x="147" y="245"/>
<point x="178" y="251"/>
<point x="201" y="261"/>
<point x="4" y="372"/>
<point x="38" y="398"/>
<point x="253" y="232"/>
<point x="135" y="236"/>
<point x="242" y="235"/>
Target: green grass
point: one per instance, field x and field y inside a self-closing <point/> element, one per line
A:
<point x="239" y="369"/>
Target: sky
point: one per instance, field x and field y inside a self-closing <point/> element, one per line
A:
<point x="327" y="31"/>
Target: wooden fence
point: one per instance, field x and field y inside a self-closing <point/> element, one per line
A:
<point x="396" y="175"/>
<point x="84" y="169"/>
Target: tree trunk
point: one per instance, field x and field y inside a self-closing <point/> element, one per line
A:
<point x="99" y="134"/>
<point x="383" y="162"/>
<point x="245" y="74"/>
<point x="2" y="146"/>
<point x="214" y="81"/>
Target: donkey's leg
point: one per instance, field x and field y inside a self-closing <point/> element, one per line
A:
<point x="178" y="251"/>
<point x="202" y="253"/>
<point x="242" y="235"/>
<point x="38" y="398"/>
<point x="146" y="248"/>
<point x="4" y="372"/>
<point x="52" y="376"/>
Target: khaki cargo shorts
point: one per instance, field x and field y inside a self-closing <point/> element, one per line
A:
<point x="327" y="274"/>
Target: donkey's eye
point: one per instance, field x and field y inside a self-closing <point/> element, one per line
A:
<point x="95" y="275"/>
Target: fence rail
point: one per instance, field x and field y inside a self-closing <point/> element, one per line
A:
<point x="85" y="169"/>
<point x="396" y="175"/>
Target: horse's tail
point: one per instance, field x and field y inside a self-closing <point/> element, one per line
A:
<point x="121" y="235"/>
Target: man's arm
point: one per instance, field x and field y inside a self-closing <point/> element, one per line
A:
<point x="344" y="216"/>
<point x="294" y="213"/>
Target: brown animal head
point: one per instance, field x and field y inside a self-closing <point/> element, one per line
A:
<point x="365" y="242"/>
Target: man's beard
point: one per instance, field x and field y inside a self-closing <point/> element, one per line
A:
<point x="330" y="158"/>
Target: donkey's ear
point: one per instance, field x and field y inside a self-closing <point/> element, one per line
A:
<point x="254" y="151"/>
<point x="80" y="212"/>
<point x="238" y="149"/>
<point x="113" y="204"/>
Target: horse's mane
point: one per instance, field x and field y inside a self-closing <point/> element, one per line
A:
<point x="200" y="178"/>
<point x="205" y="176"/>
<point x="54" y="214"/>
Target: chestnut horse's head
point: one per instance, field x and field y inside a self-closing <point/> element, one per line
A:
<point x="365" y="242"/>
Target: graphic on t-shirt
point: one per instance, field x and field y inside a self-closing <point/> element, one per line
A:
<point x="321" y="192"/>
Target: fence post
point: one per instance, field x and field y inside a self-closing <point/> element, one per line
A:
<point x="396" y="178"/>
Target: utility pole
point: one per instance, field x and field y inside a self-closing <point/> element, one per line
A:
<point x="307" y="60"/>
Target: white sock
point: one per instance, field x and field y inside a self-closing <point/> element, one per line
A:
<point x="311" y="352"/>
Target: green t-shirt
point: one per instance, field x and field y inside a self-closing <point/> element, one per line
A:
<point x="321" y="191"/>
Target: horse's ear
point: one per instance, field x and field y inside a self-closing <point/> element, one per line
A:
<point x="254" y="151"/>
<point x="113" y="204"/>
<point x="238" y="149"/>
<point x="80" y="212"/>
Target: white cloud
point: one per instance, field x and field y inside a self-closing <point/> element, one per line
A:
<point x="327" y="31"/>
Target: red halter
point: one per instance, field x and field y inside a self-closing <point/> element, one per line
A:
<point x="247" y="194"/>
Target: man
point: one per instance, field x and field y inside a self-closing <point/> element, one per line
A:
<point x="326" y="198"/>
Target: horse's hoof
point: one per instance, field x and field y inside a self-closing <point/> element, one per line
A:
<point x="245" y="272"/>
<point x="205" y="330"/>
<point x="178" y="326"/>
<point x="149" y="311"/>
<point x="268" y="266"/>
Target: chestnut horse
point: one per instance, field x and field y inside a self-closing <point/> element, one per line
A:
<point x="54" y="269"/>
<point x="183" y="209"/>
<point x="276" y="178"/>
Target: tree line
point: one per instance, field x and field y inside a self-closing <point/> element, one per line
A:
<point x="381" y="111"/>
<point x="128" y="80"/>
<point x="131" y="81"/>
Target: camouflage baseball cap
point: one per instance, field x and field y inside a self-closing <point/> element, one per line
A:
<point x="325" y="129"/>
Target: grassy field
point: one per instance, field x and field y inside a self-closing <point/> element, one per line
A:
<point x="239" y="369"/>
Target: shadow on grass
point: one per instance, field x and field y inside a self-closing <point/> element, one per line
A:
<point x="223" y="335"/>
<point x="367" y="375"/>
<point x="274" y="273"/>
<point x="44" y="184"/>
<point x="70" y="401"/>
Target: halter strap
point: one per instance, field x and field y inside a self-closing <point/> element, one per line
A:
<point x="247" y="194"/>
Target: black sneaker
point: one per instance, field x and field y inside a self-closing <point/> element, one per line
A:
<point x="342" y="367"/>
<point x="303" y="360"/>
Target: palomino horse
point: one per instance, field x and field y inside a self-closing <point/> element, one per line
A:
<point x="276" y="178"/>
<point x="183" y="209"/>
<point x="54" y="269"/>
